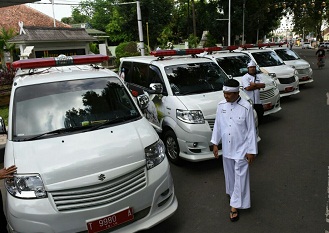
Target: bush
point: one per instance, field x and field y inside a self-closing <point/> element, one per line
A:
<point x="7" y="76"/>
<point x="126" y="49"/>
<point x="4" y="113"/>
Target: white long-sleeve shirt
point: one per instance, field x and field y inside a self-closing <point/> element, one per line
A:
<point x="235" y="128"/>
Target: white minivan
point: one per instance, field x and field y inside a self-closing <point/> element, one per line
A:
<point x="87" y="159"/>
<point x="291" y="58"/>
<point x="235" y="65"/>
<point x="185" y="91"/>
<point x="270" y="63"/>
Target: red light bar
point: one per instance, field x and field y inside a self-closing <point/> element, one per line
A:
<point x="61" y="60"/>
<point x="212" y="49"/>
<point x="173" y="52"/>
<point x="232" y="47"/>
<point x="263" y="45"/>
<point x="246" y="46"/>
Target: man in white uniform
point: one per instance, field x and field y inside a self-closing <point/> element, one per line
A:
<point x="251" y="84"/>
<point x="235" y="129"/>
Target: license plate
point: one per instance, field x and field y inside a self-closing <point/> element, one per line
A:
<point x="289" y="89"/>
<point x="305" y="78"/>
<point x="110" y="221"/>
<point x="267" y="106"/>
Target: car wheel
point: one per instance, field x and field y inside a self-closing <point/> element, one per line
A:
<point x="172" y="147"/>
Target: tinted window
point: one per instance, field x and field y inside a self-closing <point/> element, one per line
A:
<point x="195" y="78"/>
<point x="80" y="103"/>
<point x="268" y="58"/>
<point x="287" y="54"/>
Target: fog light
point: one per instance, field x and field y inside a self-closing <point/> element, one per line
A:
<point x="195" y="144"/>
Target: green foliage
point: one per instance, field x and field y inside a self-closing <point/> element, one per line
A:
<point x="94" y="48"/>
<point x="4" y="112"/>
<point x="210" y="42"/>
<point x="5" y="35"/>
<point x="126" y="49"/>
<point x="192" y="41"/>
<point x="164" y="38"/>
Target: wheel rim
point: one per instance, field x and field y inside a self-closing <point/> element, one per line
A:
<point x="172" y="148"/>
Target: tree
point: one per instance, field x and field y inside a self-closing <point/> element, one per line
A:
<point x="6" y="35"/>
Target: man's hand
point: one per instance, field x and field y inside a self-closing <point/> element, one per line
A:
<point x="215" y="151"/>
<point x="7" y="172"/>
<point x="250" y="158"/>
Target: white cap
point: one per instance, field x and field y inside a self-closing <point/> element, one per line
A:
<point x="251" y="63"/>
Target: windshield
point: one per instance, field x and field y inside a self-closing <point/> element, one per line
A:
<point x="268" y="58"/>
<point x="195" y="78"/>
<point x="235" y="66"/>
<point x="58" y="107"/>
<point x="287" y="54"/>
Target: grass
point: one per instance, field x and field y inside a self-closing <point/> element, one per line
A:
<point x="4" y="113"/>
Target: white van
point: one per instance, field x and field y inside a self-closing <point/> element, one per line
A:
<point x="235" y="65"/>
<point x="270" y="63"/>
<point x="87" y="159"/>
<point x="291" y="58"/>
<point x="185" y="91"/>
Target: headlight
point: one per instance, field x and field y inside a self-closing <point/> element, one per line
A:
<point x="274" y="84"/>
<point x="154" y="154"/>
<point x="273" y="75"/>
<point x="191" y="117"/>
<point x="27" y="186"/>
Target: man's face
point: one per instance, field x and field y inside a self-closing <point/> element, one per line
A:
<point x="252" y="69"/>
<point x="231" y="96"/>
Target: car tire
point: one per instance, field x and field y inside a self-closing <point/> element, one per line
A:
<point x="172" y="147"/>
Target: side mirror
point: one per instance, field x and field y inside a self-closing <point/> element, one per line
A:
<point x="156" y="88"/>
<point x="143" y="101"/>
<point x="2" y="126"/>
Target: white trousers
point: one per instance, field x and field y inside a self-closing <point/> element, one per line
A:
<point x="237" y="182"/>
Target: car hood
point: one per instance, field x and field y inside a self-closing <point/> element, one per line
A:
<point x="206" y="102"/>
<point x="68" y="161"/>
<point x="298" y="64"/>
<point x="283" y="71"/>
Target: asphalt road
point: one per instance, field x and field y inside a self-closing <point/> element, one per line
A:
<point x="289" y="179"/>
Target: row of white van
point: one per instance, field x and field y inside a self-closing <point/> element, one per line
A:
<point x="185" y="90"/>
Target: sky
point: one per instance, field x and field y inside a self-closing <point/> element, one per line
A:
<point x="62" y="8"/>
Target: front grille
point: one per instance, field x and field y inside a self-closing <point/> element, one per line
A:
<point x="303" y="71"/>
<point x="264" y="95"/>
<point x="100" y="194"/>
<point x="287" y="80"/>
<point x="211" y="123"/>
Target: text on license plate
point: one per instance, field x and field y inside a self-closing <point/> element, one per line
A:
<point x="267" y="106"/>
<point x="110" y="221"/>
<point x="289" y="89"/>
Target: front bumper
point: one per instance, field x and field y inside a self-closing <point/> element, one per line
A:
<point x="153" y="204"/>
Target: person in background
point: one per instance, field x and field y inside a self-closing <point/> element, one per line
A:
<point x="235" y="129"/>
<point x="5" y="173"/>
<point x="320" y="53"/>
<point x="252" y="84"/>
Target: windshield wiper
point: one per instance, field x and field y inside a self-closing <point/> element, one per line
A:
<point x="108" y="122"/>
<point x="54" y="132"/>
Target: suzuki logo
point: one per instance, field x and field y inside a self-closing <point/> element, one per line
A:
<point x="101" y="177"/>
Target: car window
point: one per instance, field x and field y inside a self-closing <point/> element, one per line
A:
<point x="287" y="54"/>
<point x="46" y="107"/>
<point x="268" y="58"/>
<point x="195" y="78"/>
<point x="235" y="66"/>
